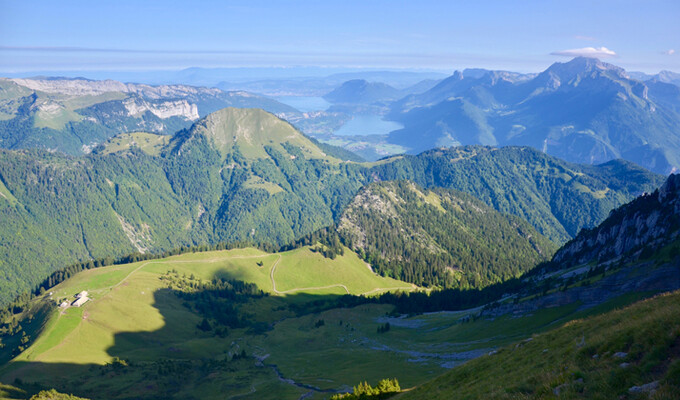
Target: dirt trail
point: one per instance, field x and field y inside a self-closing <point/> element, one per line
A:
<point x="340" y="285"/>
<point x="271" y="276"/>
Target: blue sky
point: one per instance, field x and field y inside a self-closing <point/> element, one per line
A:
<point x="441" y="35"/>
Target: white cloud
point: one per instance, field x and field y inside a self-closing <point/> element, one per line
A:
<point x="586" y="52"/>
<point x="669" y="52"/>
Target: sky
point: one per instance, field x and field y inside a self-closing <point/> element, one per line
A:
<point x="523" y="36"/>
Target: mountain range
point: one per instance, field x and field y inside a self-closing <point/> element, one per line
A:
<point x="254" y="322"/>
<point x="155" y="244"/>
<point x="75" y="115"/>
<point x="583" y="111"/>
<point x="246" y="175"/>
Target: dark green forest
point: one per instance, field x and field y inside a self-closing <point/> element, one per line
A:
<point x="56" y="209"/>
<point x="442" y="237"/>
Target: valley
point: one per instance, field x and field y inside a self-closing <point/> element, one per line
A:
<point x="140" y="333"/>
<point x="339" y="200"/>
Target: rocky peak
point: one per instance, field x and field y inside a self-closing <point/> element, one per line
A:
<point x="670" y="190"/>
<point x="560" y="74"/>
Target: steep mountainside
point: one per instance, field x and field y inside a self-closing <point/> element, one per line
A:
<point x="221" y="181"/>
<point x="629" y="353"/>
<point x="634" y="252"/>
<point x="582" y="111"/>
<point x="74" y="115"/>
<point x="439" y="236"/>
<point x="558" y="198"/>
<point x="626" y="354"/>
<point x="246" y="175"/>
<point x="650" y="222"/>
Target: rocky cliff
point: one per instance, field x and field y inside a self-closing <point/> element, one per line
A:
<point x="648" y="222"/>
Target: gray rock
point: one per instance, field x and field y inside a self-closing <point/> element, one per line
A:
<point x="620" y="354"/>
<point x="646" y="388"/>
<point x="624" y="365"/>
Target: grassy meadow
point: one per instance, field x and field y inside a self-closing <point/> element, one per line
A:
<point x="137" y="338"/>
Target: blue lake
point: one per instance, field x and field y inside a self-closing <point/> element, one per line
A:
<point x="368" y="125"/>
<point x="305" y="104"/>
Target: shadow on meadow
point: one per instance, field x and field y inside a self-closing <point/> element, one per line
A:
<point x="200" y="352"/>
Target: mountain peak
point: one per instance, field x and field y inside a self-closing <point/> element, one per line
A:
<point x="250" y="129"/>
<point x="360" y="91"/>
<point x="670" y="188"/>
<point x="580" y="66"/>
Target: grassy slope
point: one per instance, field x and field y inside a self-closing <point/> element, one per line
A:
<point x="133" y="317"/>
<point x="251" y="130"/>
<point x="150" y="143"/>
<point x="579" y="358"/>
<point x="61" y="109"/>
<point x="124" y="296"/>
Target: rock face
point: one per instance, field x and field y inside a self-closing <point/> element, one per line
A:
<point x="163" y="110"/>
<point x="649" y="221"/>
<point x="622" y="252"/>
<point x="75" y="115"/>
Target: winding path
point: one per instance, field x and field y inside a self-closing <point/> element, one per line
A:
<point x="271" y="276"/>
<point x="340" y="285"/>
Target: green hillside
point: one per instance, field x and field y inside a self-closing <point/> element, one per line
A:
<point x="610" y="356"/>
<point x="150" y="143"/>
<point x="118" y="292"/>
<point x="147" y="316"/>
<point x="187" y="326"/>
<point x="249" y="130"/>
<point x="556" y="197"/>
<point x="439" y="236"/>
<point x="109" y="205"/>
<point x="118" y="202"/>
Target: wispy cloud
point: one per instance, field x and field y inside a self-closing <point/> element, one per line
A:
<point x="586" y="38"/>
<point x="586" y="52"/>
<point x="74" y="49"/>
<point x="668" y="52"/>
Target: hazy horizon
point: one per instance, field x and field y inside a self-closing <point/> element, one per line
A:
<point x="87" y="37"/>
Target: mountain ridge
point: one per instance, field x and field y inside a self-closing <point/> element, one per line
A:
<point x="173" y="196"/>
<point x="583" y="110"/>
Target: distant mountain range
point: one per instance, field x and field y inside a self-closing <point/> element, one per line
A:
<point x="582" y="111"/>
<point x="75" y="115"/>
<point x="360" y="91"/>
<point x="320" y="85"/>
<point x="663" y="76"/>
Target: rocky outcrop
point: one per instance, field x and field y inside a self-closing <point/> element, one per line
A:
<point x="166" y="109"/>
<point x="649" y="221"/>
